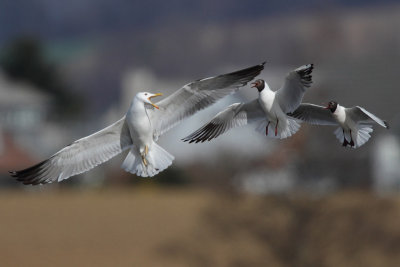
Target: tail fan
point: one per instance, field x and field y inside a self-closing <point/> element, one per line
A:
<point x="285" y="128"/>
<point x="363" y="135"/>
<point x="157" y="160"/>
<point x="360" y="135"/>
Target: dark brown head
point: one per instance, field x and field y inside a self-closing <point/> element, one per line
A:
<point x="332" y="106"/>
<point x="259" y="84"/>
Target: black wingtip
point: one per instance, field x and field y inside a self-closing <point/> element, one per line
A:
<point x="31" y="175"/>
<point x="262" y="64"/>
<point x="386" y="124"/>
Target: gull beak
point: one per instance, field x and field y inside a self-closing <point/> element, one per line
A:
<point x="155" y="95"/>
<point x="254" y="85"/>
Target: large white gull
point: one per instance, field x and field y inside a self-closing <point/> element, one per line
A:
<point x="269" y="109"/>
<point x="138" y="131"/>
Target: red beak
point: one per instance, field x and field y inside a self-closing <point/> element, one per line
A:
<point x="254" y="84"/>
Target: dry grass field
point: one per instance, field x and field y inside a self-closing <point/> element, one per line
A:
<point x="193" y="227"/>
<point x="101" y="228"/>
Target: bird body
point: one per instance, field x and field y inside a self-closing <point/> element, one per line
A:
<point x="340" y="116"/>
<point x="274" y="115"/>
<point x="267" y="100"/>
<point x="139" y="124"/>
<point x="146" y="157"/>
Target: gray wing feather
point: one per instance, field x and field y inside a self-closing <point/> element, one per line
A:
<point x="291" y="93"/>
<point x="360" y="114"/>
<point x="314" y="114"/>
<point x="235" y="115"/>
<point x="198" y="95"/>
<point x="81" y="156"/>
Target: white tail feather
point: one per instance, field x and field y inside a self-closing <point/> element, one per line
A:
<point x="157" y="160"/>
<point x="363" y="134"/>
<point x="360" y="135"/>
<point x="285" y="128"/>
<point x="339" y="134"/>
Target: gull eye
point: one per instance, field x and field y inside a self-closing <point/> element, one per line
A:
<point x="145" y="94"/>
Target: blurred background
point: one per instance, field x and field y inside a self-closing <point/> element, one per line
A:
<point x="70" y="68"/>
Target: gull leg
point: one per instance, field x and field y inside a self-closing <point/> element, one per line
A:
<point x="146" y="150"/>
<point x="266" y="129"/>
<point x="144" y="160"/>
<point x="351" y="140"/>
<point x="345" y="143"/>
<point x="276" y="127"/>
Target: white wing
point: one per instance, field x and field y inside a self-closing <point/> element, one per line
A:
<point x="238" y="114"/>
<point x="361" y="115"/>
<point x="198" y="95"/>
<point x="291" y="93"/>
<point x="80" y="156"/>
<point x="314" y="114"/>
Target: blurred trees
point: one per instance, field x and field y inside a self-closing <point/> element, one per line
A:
<point x="24" y="59"/>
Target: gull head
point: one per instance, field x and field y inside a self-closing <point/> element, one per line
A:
<point x="332" y="106"/>
<point x="146" y="98"/>
<point x="259" y="84"/>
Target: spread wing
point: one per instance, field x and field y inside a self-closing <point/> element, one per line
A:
<point x="198" y="95"/>
<point x="314" y="114"/>
<point x="235" y="115"/>
<point x="361" y="115"/>
<point x="292" y="91"/>
<point x="80" y="156"/>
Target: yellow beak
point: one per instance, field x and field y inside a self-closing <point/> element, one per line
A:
<point x="150" y="97"/>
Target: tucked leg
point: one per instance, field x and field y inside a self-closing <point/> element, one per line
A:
<point x="146" y="150"/>
<point x="276" y="127"/>
<point x="345" y="143"/>
<point x="351" y="139"/>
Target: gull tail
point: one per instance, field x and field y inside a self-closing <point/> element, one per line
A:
<point x="359" y="135"/>
<point x="157" y="160"/>
<point x="285" y="129"/>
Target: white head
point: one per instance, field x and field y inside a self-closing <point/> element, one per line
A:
<point x="146" y="98"/>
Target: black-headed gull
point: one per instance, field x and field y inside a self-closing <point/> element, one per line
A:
<point x="354" y="130"/>
<point x="137" y="130"/>
<point x="269" y="109"/>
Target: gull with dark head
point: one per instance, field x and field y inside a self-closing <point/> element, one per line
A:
<point x="354" y="122"/>
<point x="137" y="131"/>
<point x="269" y="109"/>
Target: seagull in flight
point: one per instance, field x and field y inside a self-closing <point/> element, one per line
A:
<point x="269" y="109"/>
<point x="354" y="123"/>
<point x="137" y="131"/>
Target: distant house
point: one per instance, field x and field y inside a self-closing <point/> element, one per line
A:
<point x="386" y="168"/>
<point x="21" y="105"/>
<point x="23" y="111"/>
<point x="12" y="156"/>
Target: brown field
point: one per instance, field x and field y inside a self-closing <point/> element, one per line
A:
<point x="188" y="227"/>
